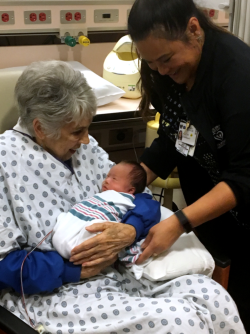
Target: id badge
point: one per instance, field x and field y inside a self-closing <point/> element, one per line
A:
<point x="191" y="151"/>
<point x="186" y="139"/>
<point x="182" y="147"/>
<point x="189" y="136"/>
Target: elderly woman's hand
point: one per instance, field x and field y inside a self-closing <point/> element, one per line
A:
<point x="161" y="237"/>
<point x="88" y="272"/>
<point x="104" y="246"/>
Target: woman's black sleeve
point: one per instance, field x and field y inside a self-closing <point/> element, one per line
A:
<point x="160" y="157"/>
<point x="234" y="104"/>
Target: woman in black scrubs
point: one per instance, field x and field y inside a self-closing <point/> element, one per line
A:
<point x="198" y="76"/>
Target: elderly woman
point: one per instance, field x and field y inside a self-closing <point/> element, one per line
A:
<point x="48" y="163"/>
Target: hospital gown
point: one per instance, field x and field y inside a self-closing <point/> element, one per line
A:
<point x="34" y="188"/>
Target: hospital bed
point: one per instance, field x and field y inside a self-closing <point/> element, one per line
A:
<point x="10" y="324"/>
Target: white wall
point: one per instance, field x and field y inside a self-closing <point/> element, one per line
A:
<point x="92" y="56"/>
<point x="214" y="4"/>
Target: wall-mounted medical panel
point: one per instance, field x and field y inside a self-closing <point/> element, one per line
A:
<point x="91" y="17"/>
<point x="62" y="18"/>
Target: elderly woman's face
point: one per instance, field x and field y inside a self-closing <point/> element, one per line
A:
<point x="72" y="136"/>
<point x="176" y="59"/>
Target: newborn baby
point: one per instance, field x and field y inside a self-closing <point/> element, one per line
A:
<point x="121" y="199"/>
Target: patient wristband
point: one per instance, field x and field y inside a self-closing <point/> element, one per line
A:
<point x="184" y="221"/>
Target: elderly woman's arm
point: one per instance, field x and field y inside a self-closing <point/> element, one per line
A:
<point x="42" y="271"/>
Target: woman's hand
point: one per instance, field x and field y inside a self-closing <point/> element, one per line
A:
<point x="104" y="246"/>
<point x="88" y="272"/>
<point x="161" y="237"/>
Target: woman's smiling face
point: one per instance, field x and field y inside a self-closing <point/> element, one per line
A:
<point x="177" y="59"/>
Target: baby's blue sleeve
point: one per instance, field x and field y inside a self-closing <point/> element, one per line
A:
<point x="145" y="215"/>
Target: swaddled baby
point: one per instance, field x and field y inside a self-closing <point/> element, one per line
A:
<point x="121" y="200"/>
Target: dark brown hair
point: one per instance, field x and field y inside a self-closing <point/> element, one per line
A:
<point x="138" y="176"/>
<point x="165" y="19"/>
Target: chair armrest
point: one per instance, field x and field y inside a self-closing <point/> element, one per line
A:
<point x="169" y="183"/>
<point x="221" y="260"/>
<point x="11" y="324"/>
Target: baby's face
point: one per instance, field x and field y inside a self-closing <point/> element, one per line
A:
<point x="118" y="179"/>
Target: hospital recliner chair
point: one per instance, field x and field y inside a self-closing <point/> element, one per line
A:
<point x="9" y="323"/>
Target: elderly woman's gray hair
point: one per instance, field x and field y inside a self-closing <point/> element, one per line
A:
<point x="55" y="94"/>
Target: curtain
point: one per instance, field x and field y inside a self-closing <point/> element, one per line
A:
<point x="240" y="19"/>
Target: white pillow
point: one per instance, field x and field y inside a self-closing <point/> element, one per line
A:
<point x="186" y="256"/>
<point x="104" y="90"/>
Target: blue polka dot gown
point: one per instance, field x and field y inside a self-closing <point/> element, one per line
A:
<point x="34" y="189"/>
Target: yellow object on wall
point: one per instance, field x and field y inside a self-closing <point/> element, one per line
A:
<point x="83" y="40"/>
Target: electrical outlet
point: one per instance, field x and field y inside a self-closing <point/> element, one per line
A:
<point x="7" y="17"/>
<point x="212" y="13"/>
<point x="37" y="16"/>
<point x="33" y="17"/>
<point x="72" y="16"/>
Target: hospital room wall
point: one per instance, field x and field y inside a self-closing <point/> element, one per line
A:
<point x="92" y="56"/>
